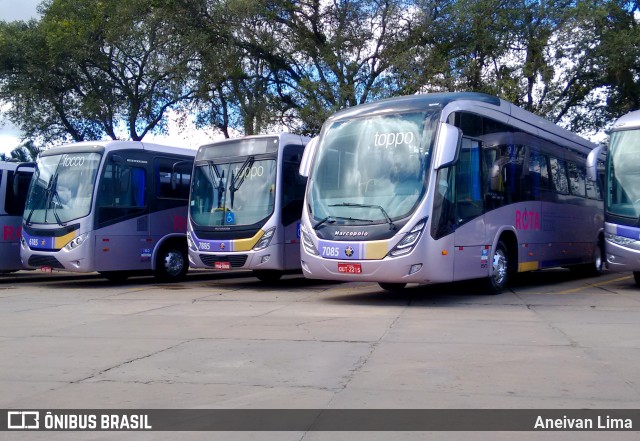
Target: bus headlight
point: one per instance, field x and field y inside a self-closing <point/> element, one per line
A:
<point x="309" y="247"/>
<point x="620" y="240"/>
<point x="265" y="240"/>
<point x="405" y="246"/>
<point x="75" y="243"/>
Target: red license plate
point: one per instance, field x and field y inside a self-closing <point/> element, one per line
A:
<point x="349" y="268"/>
<point x="222" y="265"/>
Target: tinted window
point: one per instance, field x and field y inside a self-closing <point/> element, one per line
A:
<point x="559" y="176"/>
<point x="173" y="178"/>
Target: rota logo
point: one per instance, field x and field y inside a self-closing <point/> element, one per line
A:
<point x="10" y="232"/>
<point x="527" y="220"/>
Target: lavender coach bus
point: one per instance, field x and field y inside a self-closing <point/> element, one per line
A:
<point x="116" y="207"/>
<point x="442" y="187"/>
<point x="245" y="205"/>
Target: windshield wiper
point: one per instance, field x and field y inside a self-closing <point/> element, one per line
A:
<point x="329" y="219"/>
<point x="52" y="192"/>
<point x="379" y="207"/>
<point x="46" y="195"/>
<point x="237" y="180"/>
<point x="332" y="219"/>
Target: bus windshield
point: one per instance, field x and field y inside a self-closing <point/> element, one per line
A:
<point x="624" y="174"/>
<point x="236" y="192"/>
<point x="62" y="188"/>
<point x="371" y="170"/>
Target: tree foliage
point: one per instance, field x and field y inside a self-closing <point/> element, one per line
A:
<point x="91" y="69"/>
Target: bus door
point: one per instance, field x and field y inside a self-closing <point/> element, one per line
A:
<point x="122" y="215"/>
<point x="471" y="250"/>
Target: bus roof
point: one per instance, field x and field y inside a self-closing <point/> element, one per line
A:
<point x="284" y="137"/>
<point x="472" y="101"/>
<point x="101" y="146"/>
<point x="629" y="121"/>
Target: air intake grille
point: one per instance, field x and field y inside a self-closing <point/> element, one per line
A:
<point x="40" y="261"/>
<point x="236" y="261"/>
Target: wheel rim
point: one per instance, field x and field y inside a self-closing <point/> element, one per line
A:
<point x="499" y="267"/>
<point x="173" y="262"/>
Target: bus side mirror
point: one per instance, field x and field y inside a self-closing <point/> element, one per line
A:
<point x="592" y="163"/>
<point x="30" y="166"/>
<point x="307" y="156"/>
<point x="447" y="146"/>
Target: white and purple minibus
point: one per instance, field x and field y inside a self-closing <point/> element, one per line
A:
<point x="14" y="184"/>
<point x="622" y="194"/>
<point x="442" y="187"/>
<point x="115" y="207"/>
<point x="245" y="205"/>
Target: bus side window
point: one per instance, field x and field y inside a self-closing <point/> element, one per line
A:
<point x="469" y="200"/>
<point x="576" y="179"/>
<point x="293" y="186"/>
<point x="122" y="192"/>
<point x="559" y="176"/>
<point x="14" y="203"/>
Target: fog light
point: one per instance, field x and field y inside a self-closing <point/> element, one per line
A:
<point x="415" y="268"/>
<point x="265" y="259"/>
<point x="611" y="258"/>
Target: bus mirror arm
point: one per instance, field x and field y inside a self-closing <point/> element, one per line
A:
<point x="447" y="145"/>
<point x="592" y="163"/>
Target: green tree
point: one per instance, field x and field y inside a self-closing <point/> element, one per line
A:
<point x="90" y="70"/>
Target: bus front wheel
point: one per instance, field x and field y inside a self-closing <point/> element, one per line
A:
<point x="172" y="265"/>
<point x="499" y="271"/>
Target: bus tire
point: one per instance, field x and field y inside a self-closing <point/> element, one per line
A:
<point x="499" y="269"/>
<point x="595" y="267"/>
<point x="172" y="262"/>
<point x="636" y="276"/>
<point x="392" y="286"/>
<point x="267" y="276"/>
<point x="115" y="276"/>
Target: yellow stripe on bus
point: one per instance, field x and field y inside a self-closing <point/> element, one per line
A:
<point x="63" y="240"/>
<point x="528" y="266"/>
<point x="247" y="244"/>
<point x="376" y="250"/>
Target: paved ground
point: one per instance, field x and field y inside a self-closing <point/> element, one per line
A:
<point x="553" y="341"/>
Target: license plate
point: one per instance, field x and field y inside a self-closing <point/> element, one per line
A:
<point x="222" y="265"/>
<point x="349" y="268"/>
<point x="46" y="269"/>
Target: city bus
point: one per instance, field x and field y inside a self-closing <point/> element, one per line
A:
<point x="14" y="184"/>
<point x="245" y="205"/>
<point x="443" y="187"/>
<point x="115" y="207"/>
<point x="622" y="194"/>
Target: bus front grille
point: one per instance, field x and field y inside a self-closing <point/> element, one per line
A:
<point x="40" y="261"/>
<point x="236" y="261"/>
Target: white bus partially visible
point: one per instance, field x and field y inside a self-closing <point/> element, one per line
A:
<point x="115" y="207"/>
<point x="14" y="184"/>
<point x="622" y="194"/>
<point x="245" y="205"/>
<point x="442" y="187"/>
